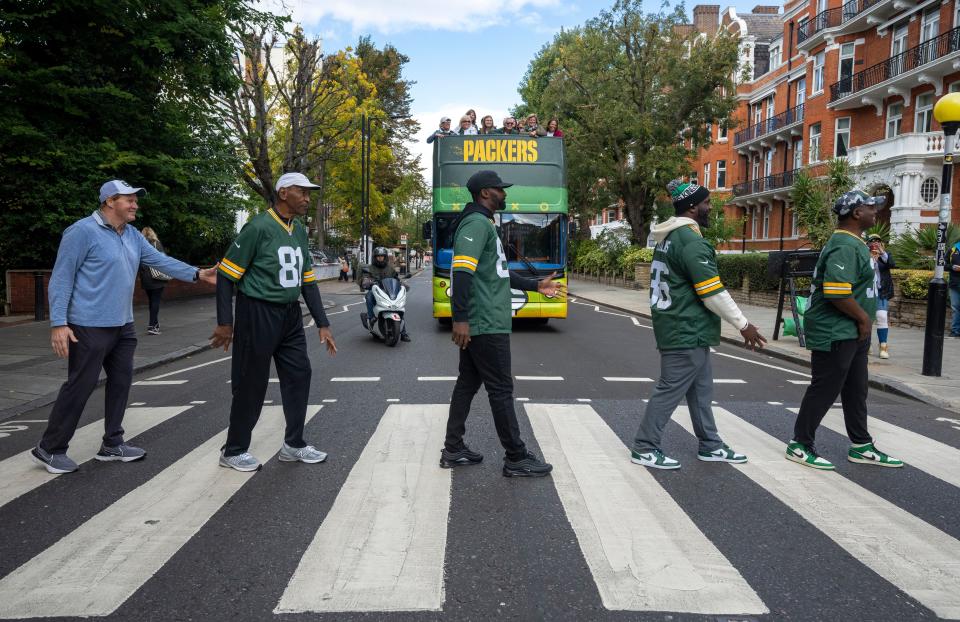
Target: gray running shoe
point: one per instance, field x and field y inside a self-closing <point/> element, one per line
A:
<point x="241" y="462"/>
<point x="308" y="454"/>
<point x="53" y="463"/>
<point x="121" y="453"/>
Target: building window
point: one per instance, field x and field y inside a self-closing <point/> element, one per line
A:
<point x="955" y="87"/>
<point x="753" y="222"/>
<point x="924" y="116"/>
<point x="771" y="112"/>
<point x="898" y="44"/>
<point x="894" y="119"/>
<point x="814" y="143"/>
<point x="801" y="91"/>
<point x="756" y="167"/>
<point x="611" y="215"/>
<point x="930" y="190"/>
<point x="818" y="73"/>
<point x="845" y="68"/>
<point x="794" y="224"/>
<point x="774" y="57"/>
<point x="706" y="175"/>
<point x="798" y="154"/>
<point x="766" y="222"/>
<point x="709" y="130"/>
<point x="931" y="25"/>
<point x="693" y="177"/>
<point x="757" y="113"/>
<point x="721" y="173"/>
<point x="768" y="162"/>
<point x="721" y="132"/>
<point x="841" y="137"/>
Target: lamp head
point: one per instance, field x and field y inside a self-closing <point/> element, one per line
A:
<point x="947" y="109"/>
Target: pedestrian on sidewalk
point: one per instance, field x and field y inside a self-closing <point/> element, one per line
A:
<point x="344" y="269"/>
<point x="91" y="319"/>
<point x="482" y="322"/>
<point x="955" y="290"/>
<point x="883" y="262"/>
<point x="269" y="264"/>
<point x="355" y="265"/>
<point x="843" y="305"/>
<point x="687" y="301"/>
<point x="153" y="281"/>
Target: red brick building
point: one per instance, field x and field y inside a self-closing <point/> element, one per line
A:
<point x="855" y="79"/>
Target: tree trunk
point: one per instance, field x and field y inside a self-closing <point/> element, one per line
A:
<point x="320" y="217"/>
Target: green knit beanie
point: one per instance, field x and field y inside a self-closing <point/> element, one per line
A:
<point x="685" y="195"/>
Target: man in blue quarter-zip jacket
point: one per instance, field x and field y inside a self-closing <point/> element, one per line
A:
<point x="91" y="319"/>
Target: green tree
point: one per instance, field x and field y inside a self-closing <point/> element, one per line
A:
<point x="634" y="94"/>
<point x="721" y="228"/>
<point x="96" y="90"/>
<point x="813" y="194"/>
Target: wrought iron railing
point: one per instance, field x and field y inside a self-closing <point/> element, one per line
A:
<point x="765" y="184"/>
<point x="831" y="18"/>
<point x="918" y="56"/>
<point x="785" y="118"/>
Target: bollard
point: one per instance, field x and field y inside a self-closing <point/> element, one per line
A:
<point x="39" y="298"/>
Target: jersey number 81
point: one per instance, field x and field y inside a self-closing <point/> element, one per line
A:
<point x="291" y="266"/>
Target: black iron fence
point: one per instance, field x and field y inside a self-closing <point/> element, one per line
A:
<point x="765" y="184"/>
<point x="772" y="124"/>
<point x="831" y="18"/>
<point x="915" y="57"/>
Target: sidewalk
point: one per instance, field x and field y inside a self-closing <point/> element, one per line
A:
<point x="31" y="375"/>
<point x="898" y="374"/>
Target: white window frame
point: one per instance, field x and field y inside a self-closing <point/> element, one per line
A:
<point x="768" y="162"/>
<point x="818" y="70"/>
<point x="894" y="125"/>
<point x="753" y="222"/>
<point x="693" y="177"/>
<point x="838" y="131"/>
<point x="801" y="95"/>
<point x="766" y="221"/>
<point x="815" y="143"/>
<point x="955" y="86"/>
<point x="851" y="51"/>
<point x="798" y="154"/>
<point x="706" y="175"/>
<point x="755" y="167"/>
<point x="721" y="133"/>
<point x="898" y="42"/>
<point x="930" y="18"/>
<point x="775" y="57"/>
<point x="794" y="223"/>
<point x="924" y="114"/>
<point x="771" y="107"/>
<point x="722" y="169"/>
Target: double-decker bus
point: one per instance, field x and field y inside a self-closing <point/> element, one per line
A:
<point x="533" y="228"/>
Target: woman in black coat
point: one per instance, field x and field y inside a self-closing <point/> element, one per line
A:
<point x="153" y="285"/>
<point x="884" y="262"/>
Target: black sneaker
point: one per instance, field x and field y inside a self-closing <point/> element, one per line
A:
<point x="528" y="466"/>
<point x="464" y="457"/>
<point x="363" y="320"/>
<point x="405" y="337"/>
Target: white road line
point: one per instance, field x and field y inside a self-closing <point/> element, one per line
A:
<point x="523" y="399"/>
<point x="21" y="474"/>
<point x="436" y="378"/>
<point x="159" y="383"/>
<point x="268" y="401"/>
<point x="98" y="566"/>
<point x="199" y="402"/>
<point x="938" y="459"/>
<point x="393" y="399"/>
<point x="138" y="403"/>
<point x="381" y="547"/>
<point x="539" y="377"/>
<point x="584" y="400"/>
<point x="180" y="371"/>
<point x="571" y="299"/>
<point x="635" y="321"/>
<point x="644" y="552"/>
<point x="309" y="324"/>
<point x="32" y="420"/>
<point x="275" y="380"/>
<point x="626" y="379"/>
<point x="356" y="379"/>
<point x="729" y="381"/>
<point x="798" y="381"/>
<point x="330" y="401"/>
<point x="911" y="554"/>
<point x="775" y="403"/>
<point x="752" y="362"/>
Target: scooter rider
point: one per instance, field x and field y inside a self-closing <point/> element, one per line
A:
<point x="378" y="270"/>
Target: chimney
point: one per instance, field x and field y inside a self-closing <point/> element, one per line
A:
<point x="706" y="18"/>
<point x="765" y="10"/>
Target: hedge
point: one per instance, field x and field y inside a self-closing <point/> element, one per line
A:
<point x="734" y="267"/>
<point x="912" y="283"/>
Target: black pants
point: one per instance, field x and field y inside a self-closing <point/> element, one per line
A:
<point x="154" y="296"/>
<point x="110" y="349"/>
<point x="841" y="371"/>
<point x="486" y="361"/>
<point x="263" y="331"/>
<point x="343" y="276"/>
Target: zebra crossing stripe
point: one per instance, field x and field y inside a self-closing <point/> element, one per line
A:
<point x="381" y="547"/>
<point x="99" y="565"/>
<point x="938" y="459"/>
<point x="644" y="552"/>
<point x="21" y="474"/>
<point x="911" y="554"/>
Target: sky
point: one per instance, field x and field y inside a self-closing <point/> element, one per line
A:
<point x="463" y="53"/>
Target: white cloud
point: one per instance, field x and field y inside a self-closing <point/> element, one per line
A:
<point x="387" y="16"/>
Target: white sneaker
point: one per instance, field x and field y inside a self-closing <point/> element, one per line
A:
<point x="724" y="454"/>
<point x="308" y="454"/>
<point x="243" y="462"/>
<point x="654" y="459"/>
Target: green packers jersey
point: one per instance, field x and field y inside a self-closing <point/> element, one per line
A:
<point x="683" y="273"/>
<point x="477" y="250"/>
<point x="844" y="269"/>
<point x="269" y="259"/>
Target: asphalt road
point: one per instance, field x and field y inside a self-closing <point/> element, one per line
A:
<point x="600" y="540"/>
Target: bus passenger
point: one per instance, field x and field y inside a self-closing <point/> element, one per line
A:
<point x="444" y="130"/>
<point x="532" y="126"/>
<point x="509" y="126"/>
<point x="553" y="128"/>
<point x="467" y="128"/>
<point x="487" y="126"/>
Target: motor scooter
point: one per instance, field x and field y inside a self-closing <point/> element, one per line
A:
<point x="389" y="303"/>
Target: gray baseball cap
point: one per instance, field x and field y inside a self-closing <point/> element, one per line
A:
<point x="118" y="186"/>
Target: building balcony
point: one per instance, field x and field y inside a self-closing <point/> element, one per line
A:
<point x="913" y="145"/>
<point x="926" y="63"/>
<point x="853" y="16"/>
<point x="767" y="133"/>
<point x="775" y="186"/>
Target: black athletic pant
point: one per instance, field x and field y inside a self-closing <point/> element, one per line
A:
<point x="110" y="349"/>
<point x="343" y="276"/>
<point x="841" y="371"/>
<point x="154" y="295"/>
<point x="263" y="331"/>
<point x="486" y="360"/>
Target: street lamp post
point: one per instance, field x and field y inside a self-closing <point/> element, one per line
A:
<point x="947" y="113"/>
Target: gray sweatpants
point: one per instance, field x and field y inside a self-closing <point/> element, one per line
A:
<point x="683" y="373"/>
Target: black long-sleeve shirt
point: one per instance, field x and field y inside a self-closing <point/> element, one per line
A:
<point x="309" y="291"/>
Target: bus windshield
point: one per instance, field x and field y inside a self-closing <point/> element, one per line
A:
<point x="538" y="238"/>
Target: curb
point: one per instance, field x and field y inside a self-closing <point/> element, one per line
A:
<point x="880" y="382"/>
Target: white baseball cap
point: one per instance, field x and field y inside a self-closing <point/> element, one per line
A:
<point x="294" y="179"/>
<point x="118" y="186"/>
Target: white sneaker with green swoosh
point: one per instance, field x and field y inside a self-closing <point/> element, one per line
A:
<point x="867" y="453"/>
<point x="807" y="456"/>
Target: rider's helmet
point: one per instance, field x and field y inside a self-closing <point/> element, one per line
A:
<point x="380" y="257"/>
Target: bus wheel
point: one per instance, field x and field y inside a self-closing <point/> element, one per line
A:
<point x="445" y="322"/>
<point x="541" y="321"/>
